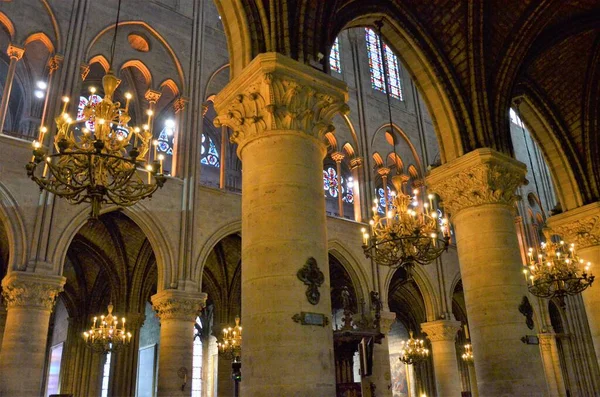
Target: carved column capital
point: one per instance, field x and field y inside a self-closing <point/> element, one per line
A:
<point x="580" y="226"/>
<point x="276" y="93"/>
<point x="480" y="177"/>
<point x="383" y="171"/>
<point x="356" y="162"/>
<point x="152" y="96"/>
<point x="179" y="305"/>
<point x="337" y="157"/>
<point x="21" y="289"/>
<point x="441" y="330"/>
<point x="84" y="70"/>
<point x="386" y="321"/>
<point x="179" y="104"/>
<point x="54" y="63"/>
<point x="15" y="52"/>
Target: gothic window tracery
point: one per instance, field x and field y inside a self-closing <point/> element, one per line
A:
<point x="334" y="57"/>
<point x="208" y="152"/>
<point x="376" y="66"/>
<point x="331" y="188"/>
<point x="197" y="360"/>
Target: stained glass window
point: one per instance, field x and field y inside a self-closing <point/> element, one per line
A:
<point x="208" y="152"/>
<point x="83" y="101"/>
<point x="106" y="375"/>
<point x="334" y="57"/>
<point x="376" y="66"/>
<point x="165" y="138"/>
<point x="381" y="198"/>
<point x="514" y="118"/>
<point x="197" y="360"/>
<point x="330" y="185"/>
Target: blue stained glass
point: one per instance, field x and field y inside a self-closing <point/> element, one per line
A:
<point x="334" y="57"/>
<point x="209" y="155"/>
<point x="330" y="186"/>
<point x="376" y="66"/>
<point x="381" y="197"/>
<point x="165" y="140"/>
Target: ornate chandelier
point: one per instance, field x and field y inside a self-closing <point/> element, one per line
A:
<point x="107" y="335"/>
<point x="231" y="344"/>
<point x="98" y="158"/>
<point x="467" y="356"/>
<point x="411" y="231"/>
<point x="413" y="351"/>
<point x="556" y="270"/>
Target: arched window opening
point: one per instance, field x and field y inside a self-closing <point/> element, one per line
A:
<point x="334" y="57"/>
<point x="197" y="360"/>
<point x="208" y="152"/>
<point x="106" y="375"/>
<point x="376" y="66"/>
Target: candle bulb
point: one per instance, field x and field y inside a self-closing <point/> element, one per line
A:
<point x="149" y="169"/>
<point x="127" y="99"/>
<point x="43" y="130"/>
<point x="155" y="144"/>
<point x="65" y="100"/>
<point x="46" y="167"/>
<point x="160" y="159"/>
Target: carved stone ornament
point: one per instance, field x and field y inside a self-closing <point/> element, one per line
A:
<point x="312" y="277"/>
<point x="546" y="340"/>
<point x="526" y="309"/>
<point x="15" y="52"/>
<point x="21" y="289"/>
<point x="580" y="226"/>
<point x="480" y="177"/>
<point x="441" y="330"/>
<point x="387" y="319"/>
<point x="276" y="93"/>
<point x="179" y="305"/>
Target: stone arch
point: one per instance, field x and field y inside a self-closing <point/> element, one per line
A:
<point x="545" y="130"/>
<point x="43" y="38"/>
<point x="352" y="266"/>
<point x="213" y="239"/>
<point x="12" y="221"/>
<point x="141" y="67"/>
<point x="8" y="25"/>
<point x="210" y="94"/>
<point x="237" y="32"/>
<point x="404" y="137"/>
<point x="167" y="273"/>
<point x="171" y="85"/>
<point x="430" y="298"/>
<point x="100" y="59"/>
<point x="154" y="33"/>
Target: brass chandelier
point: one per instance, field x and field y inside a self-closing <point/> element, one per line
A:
<point x="413" y="351"/>
<point x="108" y="334"/>
<point x="411" y="229"/>
<point x="100" y="165"/>
<point x="231" y="344"/>
<point x="467" y="356"/>
<point x="556" y="270"/>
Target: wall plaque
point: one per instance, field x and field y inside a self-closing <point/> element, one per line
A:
<point x="308" y="318"/>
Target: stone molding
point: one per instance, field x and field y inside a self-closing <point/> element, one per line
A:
<point x="480" y="177"/>
<point x="152" y="96"/>
<point x="276" y="93"/>
<point x="580" y="226"/>
<point x="21" y="289"/>
<point x="441" y="330"/>
<point x="386" y="321"/>
<point x="356" y="162"/>
<point x="180" y="103"/>
<point x="546" y="341"/>
<point x="54" y="63"/>
<point x="178" y="305"/>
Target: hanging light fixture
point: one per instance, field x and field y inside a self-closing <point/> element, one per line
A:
<point x="413" y="351"/>
<point x="102" y="165"/>
<point x="411" y="229"/>
<point x="467" y="356"/>
<point x="556" y="271"/>
<point x="108" y="334"/>
<point x="231" y="342"/>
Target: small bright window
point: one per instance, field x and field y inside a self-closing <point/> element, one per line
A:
<point x="208" y="152"/>
<point x="197" y="361"/>
<point x="106" y="375"/>
<point x="376" y="66"/>
<point x="334" y="57"/>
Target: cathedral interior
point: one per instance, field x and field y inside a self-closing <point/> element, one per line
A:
<point x="394" y="198"/>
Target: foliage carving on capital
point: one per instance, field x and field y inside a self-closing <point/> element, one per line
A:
<point x="386" y="321"/>
<point x="31" y="290"/>
<point x="441" y="330"/>
<point x="584" y="231"/>
<point x="169" y="306"/>
<point x="483" y="183"/>
<point x="279" y="102"/>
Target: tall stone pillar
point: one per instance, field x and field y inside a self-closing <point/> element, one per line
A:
<point x="551" y="361"/>
<point x="279" y="110"/>
<point x="355" y="165"/>
<point x="582" y="227"/>
<point x="15" y="54"/>
<point x="478" y="190"/>
<point x="224" y="380"/>
<point x="442" y="334"/>
<point x="29" y="301"/>
<point x="382" y="373"/>
<point x="177" y="311"/>
<point x="126" y="360"/>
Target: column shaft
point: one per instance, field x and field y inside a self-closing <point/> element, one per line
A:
<point x="554" y="378"/>
<point x="478" y="190"/>
<point x="30" y="299"/>
<point x="177" y="311"/>
<point x="224" y="380"/>
<point x="442" y="334"/>
<point x="279" y="111"/>
<point x="124" y="381"/>
<point x="355" y="165"/>
<point x="14" y="53"/>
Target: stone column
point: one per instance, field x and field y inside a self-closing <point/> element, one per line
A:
<point x="382" y="373"/>
<point x="2" y="319"/>
<point x="15" y="54"/>
<point x="355" y="165"/>
<point x="442" y="334"/>
<point x="126" y="360"/>
<point x="478" y="190"/>
<point x="179" y="109"/>
<point x="177" y="311"/>
<point x="582" y="227"/>
<point x="473" y="380"/>
<point x="278" y="111"/>
<point x="29" y="301"/>
<point x="338" y="157"/>
<point x="551" y="361"/>
<point x="224" y="380"/>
